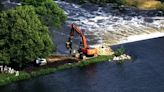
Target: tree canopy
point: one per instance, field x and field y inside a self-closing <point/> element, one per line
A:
<point x="1" y="6"/>
<point x="48" y="11"/>
<point x="23" y="37"/>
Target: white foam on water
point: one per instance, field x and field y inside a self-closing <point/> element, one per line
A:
<point x="100" y="22"/>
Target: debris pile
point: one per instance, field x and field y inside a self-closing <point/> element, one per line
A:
<point x="9" y="70"/>
<point x="122" y="57"/>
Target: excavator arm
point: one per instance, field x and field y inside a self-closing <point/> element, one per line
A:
<point x="74" y="28"/>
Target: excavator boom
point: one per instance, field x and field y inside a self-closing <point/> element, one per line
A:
<point x="74" y="28"/>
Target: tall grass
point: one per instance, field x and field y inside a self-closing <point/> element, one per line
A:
<point x="144" y="4"/>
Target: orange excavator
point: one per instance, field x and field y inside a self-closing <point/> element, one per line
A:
<point x="83" y="50"/>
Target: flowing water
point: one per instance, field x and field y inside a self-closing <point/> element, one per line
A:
<point x="144" y="74"/>
<point x="111" y="24"/>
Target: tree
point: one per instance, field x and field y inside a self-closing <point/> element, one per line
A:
<point x="1" y="6"/>
<point x="48" y="11"/>
<point x="23" y="37"/>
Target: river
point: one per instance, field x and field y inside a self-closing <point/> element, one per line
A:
<point x="144" y="74"/>
<point x="111" y="24"/>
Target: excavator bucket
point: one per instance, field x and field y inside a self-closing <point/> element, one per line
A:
<point x="68" y="45"/>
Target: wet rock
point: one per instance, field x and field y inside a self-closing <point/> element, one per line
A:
<point x="148" y="20"/>
<point x="17" y="73"/>
<point x="122" y="57"/>
<point x="1" y="68"/>
<point x="8" y="70"/>
<point x="127" y="18"/>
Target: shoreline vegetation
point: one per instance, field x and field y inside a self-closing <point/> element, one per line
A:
<point x="32" y="71"/>
<point x="25" y="36"/>
<point x="24" y="31"/>
<point x="24" y="75"/>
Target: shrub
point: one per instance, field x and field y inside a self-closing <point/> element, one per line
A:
<point x="119" y="51"/>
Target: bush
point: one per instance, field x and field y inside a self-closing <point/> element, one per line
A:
<point x="23" y="37"/>
<point x="119" y="51"/>
<point x="48" y="11"/>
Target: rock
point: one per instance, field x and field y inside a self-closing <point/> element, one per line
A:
<point x="116" y="58"/>
<point x="1" y="68"/>
<point x="17" y="73"/>
<point x="12" y="71"/>
<point x="128" y="57"/>
<point x="121" y="57"/>
<point x="5" y="69"/>
<point x="9" y="70"/>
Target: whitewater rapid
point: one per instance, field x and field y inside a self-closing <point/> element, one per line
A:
<point x="112" y="24"/>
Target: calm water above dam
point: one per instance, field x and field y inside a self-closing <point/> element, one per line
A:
<point x="145" y="74"/>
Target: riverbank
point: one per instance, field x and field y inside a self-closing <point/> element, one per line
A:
<point x="145" y="74"/>
<point x="38" y="71"/>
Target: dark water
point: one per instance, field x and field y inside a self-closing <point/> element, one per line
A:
<point x="145" y="74"/>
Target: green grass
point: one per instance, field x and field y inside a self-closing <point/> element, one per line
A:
<point x="10" y="78"/>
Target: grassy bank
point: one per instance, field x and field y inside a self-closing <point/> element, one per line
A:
<point x="8" y="78"/>
<point x="144" y="4"/>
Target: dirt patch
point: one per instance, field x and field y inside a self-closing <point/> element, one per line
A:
<point x="52" y="61"/>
